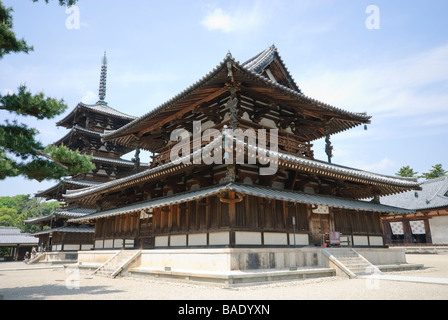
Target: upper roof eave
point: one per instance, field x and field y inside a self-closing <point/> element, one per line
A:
<point x="77" y="129"/>
<point x="132" y="127"/>
<point x="127" y="128"/>
<point x="98" y="107"/>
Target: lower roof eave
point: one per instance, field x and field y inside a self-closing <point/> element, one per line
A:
<point x="258" y="191"/>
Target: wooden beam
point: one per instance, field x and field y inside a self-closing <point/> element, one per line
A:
<point x="180" y="113"/>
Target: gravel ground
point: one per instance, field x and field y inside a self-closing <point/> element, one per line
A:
<point x="58" y="283"/>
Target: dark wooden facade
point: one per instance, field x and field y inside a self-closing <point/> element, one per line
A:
<point x="210" y="215"/>
<point x="65" y="240"/>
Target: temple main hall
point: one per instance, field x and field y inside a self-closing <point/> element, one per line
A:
<point x="232" y="183"/>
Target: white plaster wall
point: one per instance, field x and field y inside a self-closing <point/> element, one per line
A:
<point x="71" y="247"/>
<point x="249" y="238"/>
<point x="301" y="239"/>
<point x="439" y="229"/>
<point x="376" y="241"/>
<point x="272" y="238"/>
<point x="99" y="244"/>
<point x="178" y="240"/>
<point x="86" y="247"/>
<point x="360" y="241"/>
<point x="199" y="239"/>
<point x="161" y="241"/>
<point x="219" y="238"/>
<point x="108" y="244"/>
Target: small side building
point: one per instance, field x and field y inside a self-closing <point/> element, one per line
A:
<point x="429" y="225"/>
<point x="59" y="235"/>
<point x="14" y="244"/>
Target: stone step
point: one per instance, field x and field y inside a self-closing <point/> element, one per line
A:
<point x="355" y="265"/>
<point x="114" y="264"/>
<point x="353" y="262"/>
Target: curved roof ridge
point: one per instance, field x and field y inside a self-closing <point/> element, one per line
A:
<point x="265" y="58"/>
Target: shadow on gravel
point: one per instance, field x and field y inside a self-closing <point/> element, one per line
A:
<point x="54" y="291"/>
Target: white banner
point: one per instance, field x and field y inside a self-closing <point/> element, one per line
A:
<point x="418" y="227"/>
<point x="397" y="228"/>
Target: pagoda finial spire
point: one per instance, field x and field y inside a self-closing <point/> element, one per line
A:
<point x="102" y="91"/>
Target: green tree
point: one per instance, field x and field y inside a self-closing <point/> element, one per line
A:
<point x="436" y="172"/>
<point x="8" y="217"/>
<point x="406" y="171"/>
<point x="20" y="152"/>
<point x="15" y="210"/>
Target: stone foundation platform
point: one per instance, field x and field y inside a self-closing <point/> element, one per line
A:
<point x="234" y="266"/>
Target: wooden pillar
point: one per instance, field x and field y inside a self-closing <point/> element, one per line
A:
<point x="232" y="208"/>
<point x="387" y="231"/>
<point x="331" y="220"/>
<point x="427" y="229"/>
<point x="16" y="253"/>
<point x="231" y="200"/>
<point x="407" y="231"/>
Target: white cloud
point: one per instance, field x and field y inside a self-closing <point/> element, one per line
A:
<point x="89" y="97"/>
<point x="242" y="18"/>
<point x="218" y="20"/>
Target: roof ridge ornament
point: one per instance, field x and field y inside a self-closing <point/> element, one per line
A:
<point x="103" y="78"/>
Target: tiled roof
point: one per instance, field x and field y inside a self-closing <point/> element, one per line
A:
<point x="13" y="236"/>
<point x="153" y="172"/>
<point x="82" y="183"/>
<point x="9" y="230"/>
<point x="290" y="196"/>
<point x="98" y="107"/>
<point x="246" y="72"/>
<point x="107" y="110"/>
<point x="434" y="194"/>
<point x="334" y="168"/>
<point x="60" y="186"/>
<point x="311" y="165"/>
<point x="258" y="63"/>
<point x="123" y="162"/>
<point x="77" y="129"/>
<point x="68" y="229"/>
<point x="61" y="213"/>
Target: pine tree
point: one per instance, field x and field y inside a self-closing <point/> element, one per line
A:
<point x="20" y="152"/>
<point x="406" y="171"/>
<point x="436" y="172"/>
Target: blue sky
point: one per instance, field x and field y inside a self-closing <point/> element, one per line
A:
<point x="398" y="73"/>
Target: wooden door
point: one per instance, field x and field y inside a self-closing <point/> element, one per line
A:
<point x="319" y="226"/>
<point x="146" y="236"/>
